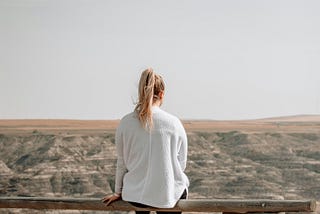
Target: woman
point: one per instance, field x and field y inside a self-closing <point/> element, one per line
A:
<point x="152" y="151"/>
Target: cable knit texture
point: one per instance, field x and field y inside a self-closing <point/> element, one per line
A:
<point x="150" y="165"/>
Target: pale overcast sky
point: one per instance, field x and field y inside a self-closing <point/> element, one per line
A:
<point x="226" y="59"/>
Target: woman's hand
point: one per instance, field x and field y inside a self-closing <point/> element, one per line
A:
<point x="111" y="198"/>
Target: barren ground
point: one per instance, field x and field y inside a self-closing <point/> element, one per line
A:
<point x="276" y="158"/>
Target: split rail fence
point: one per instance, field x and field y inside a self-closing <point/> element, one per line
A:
<point x="184" y="205"/>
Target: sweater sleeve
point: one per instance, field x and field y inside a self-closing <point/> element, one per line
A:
<point x="183" y="150"/>
<point x="121" y="168"/>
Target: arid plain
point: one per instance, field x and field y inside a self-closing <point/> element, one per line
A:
<point x="274" y="158"/>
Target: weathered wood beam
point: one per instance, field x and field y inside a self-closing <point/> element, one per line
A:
<point x="189" y="205"/>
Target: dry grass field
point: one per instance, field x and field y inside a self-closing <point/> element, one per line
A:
<point x="303" y="123"/>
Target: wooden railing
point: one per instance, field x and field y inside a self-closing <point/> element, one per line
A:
<point x="188" y="205"/>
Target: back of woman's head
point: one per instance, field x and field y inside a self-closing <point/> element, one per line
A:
<point x="150" y="85"/>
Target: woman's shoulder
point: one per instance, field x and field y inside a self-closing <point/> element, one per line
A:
<point x="168" y="117"/>
<point x="128" y="118"/>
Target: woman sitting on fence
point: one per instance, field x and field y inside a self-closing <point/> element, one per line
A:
<point x="152" y="151"/>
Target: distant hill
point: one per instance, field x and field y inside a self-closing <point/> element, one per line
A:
<point x="295" y="118"/>
<point x="289" y="123"/>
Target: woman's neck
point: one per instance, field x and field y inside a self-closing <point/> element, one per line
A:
<point x="157" y="103"/>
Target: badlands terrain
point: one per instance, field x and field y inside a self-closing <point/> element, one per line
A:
<point x="275" y="158"/>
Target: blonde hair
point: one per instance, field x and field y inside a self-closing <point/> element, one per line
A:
<point x="150" y="85"/>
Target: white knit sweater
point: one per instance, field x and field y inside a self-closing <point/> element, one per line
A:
<point x="150" y="165"/>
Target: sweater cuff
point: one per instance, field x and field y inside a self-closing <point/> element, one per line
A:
<point x="117" y="194"/>
<point x="118" y="189"/>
